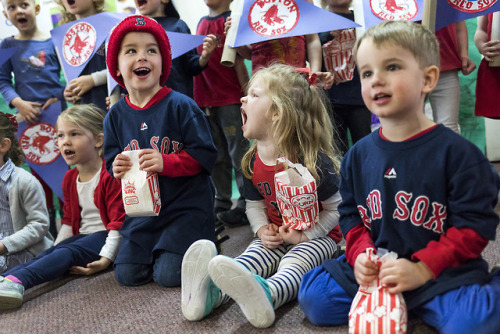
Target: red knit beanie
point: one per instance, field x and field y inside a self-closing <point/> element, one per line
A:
<point x="137" y="23"/>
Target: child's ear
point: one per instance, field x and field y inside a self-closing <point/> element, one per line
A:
<point x="431" y="77"/>
<point x="37" y="9"/>
<point x="5" y="144"/>
<point x="99" y="141"/>
<point x="5" y="14"/>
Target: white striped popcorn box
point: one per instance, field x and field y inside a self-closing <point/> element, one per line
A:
<point x="140" y="190"/>
<point x="337" y="54"/>
<point x="297" y="196"/>
<point x="374" y="310"/>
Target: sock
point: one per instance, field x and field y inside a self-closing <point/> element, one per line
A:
<point x="13" y="279"/>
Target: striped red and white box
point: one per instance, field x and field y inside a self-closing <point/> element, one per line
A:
<point x="297" y="197"/>
<point x="140" y="190"/>
<point x="375" y="310"/>
<point x="337" y="54"/>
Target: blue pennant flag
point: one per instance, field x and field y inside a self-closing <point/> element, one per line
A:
<point x="376" y="11"/>
<point x="451" y="11"/>
<point x="38" y="143"/>
<point x="180" y="43"/>
<point x="263" y="20"/>
<point x="77" y="41"/>
<point x="5" y="54"/>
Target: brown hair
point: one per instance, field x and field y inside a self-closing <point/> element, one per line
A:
<point x="7" y="131"/>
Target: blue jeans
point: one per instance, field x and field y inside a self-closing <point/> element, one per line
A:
<point x="166" y="271"/>
<point x="79" y="250"/>
<point x="468" y="309"/>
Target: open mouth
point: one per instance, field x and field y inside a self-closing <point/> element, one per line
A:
<point x="142" y="71"/>
<point x="381" y="96"/>
<point x="71" y="2"/>
<point x="22" y="20"/>
<point x="243" y="116"/>
<point x="68" y="153"/>
<point x="142" y="3"/>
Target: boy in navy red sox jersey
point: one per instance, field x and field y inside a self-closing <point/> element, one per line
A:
<point x="415" y="188"/>
<point x="175" y="142"/>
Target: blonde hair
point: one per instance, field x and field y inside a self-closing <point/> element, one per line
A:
<point x="66" y="16"/>
<point x="85" y="116"/>
<point x="302" y="127"/>
<point x="417" y="39"/>
<point x="7" y="131"/>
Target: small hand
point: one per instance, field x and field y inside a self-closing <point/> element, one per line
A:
<point x="269" y="236"/>
<point x="467" y="66"/>
<point x="403" y="275"/>
<point x="325" y="79"/>
<point x="81" y="85"/>
<point x="227" y="25"/>
<point x="121" y="165"/>
<point x="290" y="235"/>
<point x="91" y="268"/>
<point x="490" y="50"/>
<point x="365" y="270"/>
<point x="209" y="44"/>
<point x="3" y="249"/>
<point x="29" y="111"/>
<point x="151" y="161"/>
<point x="49" y="102"/>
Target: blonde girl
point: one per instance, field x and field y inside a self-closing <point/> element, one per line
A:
<point x="24" y="220"/>
<point x="93" y="210"/>
<point x="287" y="116"/>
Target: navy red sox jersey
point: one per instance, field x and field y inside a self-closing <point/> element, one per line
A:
<point x="410" y="193"/>
<point x="170" y="126"/>
<point x="261" y="187"/>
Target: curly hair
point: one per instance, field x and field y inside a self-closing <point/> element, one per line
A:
<point x="303" y="127"/>
<point x="7" y="131"/>
<point x="66" y="16"/>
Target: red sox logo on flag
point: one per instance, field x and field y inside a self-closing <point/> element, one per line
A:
<point x="471" y="6"/>
<point x="273" y="17"/>
<point x="394" y="10"/>
<point x="79" y="43"/>
<point x="38" y="143"/>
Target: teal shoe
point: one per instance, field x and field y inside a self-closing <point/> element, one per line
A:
<point x="11" y="294"/>
<point x="249" y="291"/>
<point x="199" y="293"/>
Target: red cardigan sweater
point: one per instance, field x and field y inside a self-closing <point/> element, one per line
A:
<point x="107" y="198"/>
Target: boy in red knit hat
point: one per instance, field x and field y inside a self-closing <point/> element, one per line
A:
<point x="174" y="140"/>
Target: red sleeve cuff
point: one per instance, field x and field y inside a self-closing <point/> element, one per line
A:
<point x="453" y="248"/>
<point x="180" y="164"/>
<point x="358" y="239"/>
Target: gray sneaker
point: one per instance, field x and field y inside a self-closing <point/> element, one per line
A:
<point x="11" y="294"/>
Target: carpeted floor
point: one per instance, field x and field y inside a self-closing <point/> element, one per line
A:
<point x="98" y="304"/>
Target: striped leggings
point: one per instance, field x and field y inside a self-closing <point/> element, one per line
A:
<point x="283" y="267"/>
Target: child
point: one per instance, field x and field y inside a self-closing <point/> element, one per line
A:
<point x="488" y="85"/>
<point x="454" y="56"/>
<point x="34" y="65"/>
<point x="90" y="86"/>
<point x="93" y="210"/>
<point x="36" y="73"/>
<point x="438" y="219"/>
<point x="24" y="221"/>
<point x="349" y="109"/>
<point x="287" y="117"/>
<point x="218" y="90"/>
<point x="174" y="139"/>
<point x="189" y="64"/>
